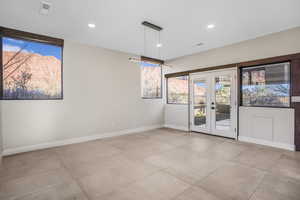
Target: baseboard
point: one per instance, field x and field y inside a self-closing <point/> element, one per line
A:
<point x="182" y="128"/>
<point x="11" y="151"/>
<point x="267" y="143"/>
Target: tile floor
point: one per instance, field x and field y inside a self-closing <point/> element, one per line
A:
<point x="160" y="164"/>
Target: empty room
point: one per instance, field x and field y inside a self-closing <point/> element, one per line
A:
<point x="150" y="100"/>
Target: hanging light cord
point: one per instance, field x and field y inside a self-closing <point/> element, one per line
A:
<point x="159" y="44"/>
<point x="144" y="41"/>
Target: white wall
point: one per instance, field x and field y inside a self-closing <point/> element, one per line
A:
<point x="101" y="95"/>
<point x="282" y="43"/>
<point x="176" y="116"/>
<point x="270" y="126"/>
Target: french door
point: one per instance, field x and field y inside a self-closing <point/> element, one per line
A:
<point x="213" y="107"/>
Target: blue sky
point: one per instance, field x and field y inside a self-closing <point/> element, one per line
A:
<point x="10" y="44"/>
<point x="200" y="84"/>
<point x="147" y="64"/>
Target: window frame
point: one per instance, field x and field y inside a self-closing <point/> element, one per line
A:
<point x="261" y="65"/>
<point x="160" y="63"/>
<point x="30" y="37"/>
<point x="167" y="89"/>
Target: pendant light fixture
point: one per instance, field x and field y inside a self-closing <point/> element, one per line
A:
<point x="158" y="45"/>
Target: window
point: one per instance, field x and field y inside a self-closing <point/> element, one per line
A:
<point x="31" y="68"/>
<point x="178" y="89"/>
<point x="267" y="85"/>
<point x="151" y="77"/>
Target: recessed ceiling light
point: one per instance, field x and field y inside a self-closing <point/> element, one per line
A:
<point x="159" y="45"/>
<point x="210" y="26"/>
<point x="91" y="25"/>
<point x="45" y="8"/>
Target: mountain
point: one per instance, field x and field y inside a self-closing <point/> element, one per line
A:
<point x="32" y="72"/>
<point x="180" y="86"/>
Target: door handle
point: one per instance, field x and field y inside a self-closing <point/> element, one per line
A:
<point x="212" y="108"/>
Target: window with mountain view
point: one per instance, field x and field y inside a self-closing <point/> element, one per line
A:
<point x="267" y="85"/>
<point x="31" y="70"/>
<point x="151" y="79"/>
<point x="177" y="90"/>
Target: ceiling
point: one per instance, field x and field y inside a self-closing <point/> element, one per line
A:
<point x="118" y="22"/>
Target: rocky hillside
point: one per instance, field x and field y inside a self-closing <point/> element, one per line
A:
<point x="32" y="72"/>
<point x="180" y="86"/>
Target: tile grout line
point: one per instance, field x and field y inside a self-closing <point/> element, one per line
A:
<point x="124" y="186"/>
<point x="73" y="178"/>
<point x="258" y="186"/>
<point x="219" y="168"/>
<point x="132" y="182"/>
<point x="30" y="175"/>
<point x="200" y="187"/>
<point x="32" y="192"/>
<point x="190" y="186"/>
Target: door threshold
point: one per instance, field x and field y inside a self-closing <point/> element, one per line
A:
<point x="220" y="136"/>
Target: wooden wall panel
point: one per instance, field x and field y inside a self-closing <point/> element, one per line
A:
<point x="297" y="125"/>
<point x="295" y="71"/>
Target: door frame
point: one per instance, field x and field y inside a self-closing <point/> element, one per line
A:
<point x="200" y="76"/>
<point x="234" y="71"/>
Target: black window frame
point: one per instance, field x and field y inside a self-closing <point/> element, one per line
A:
<point x="261" y="65"/>
<point x="160" y="63"/>
<point x="31" y="37"/>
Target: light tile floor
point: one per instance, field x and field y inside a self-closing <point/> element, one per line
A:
<point x="161" y="164"/>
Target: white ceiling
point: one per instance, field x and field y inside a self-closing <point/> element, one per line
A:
<point x="118" y="22"/>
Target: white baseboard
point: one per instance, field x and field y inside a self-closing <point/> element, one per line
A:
<point x="11" y="151"/>
<point x="182" y="128"/>
<point x="267" y="143"/>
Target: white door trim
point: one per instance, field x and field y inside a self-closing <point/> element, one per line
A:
<point x="207" y="81"/>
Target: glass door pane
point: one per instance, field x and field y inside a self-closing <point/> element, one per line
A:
<point x="200" y="103"/>
<point x="223" y="102"/>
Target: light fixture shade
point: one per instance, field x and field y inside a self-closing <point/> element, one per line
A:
<point x="148" y="60"/>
